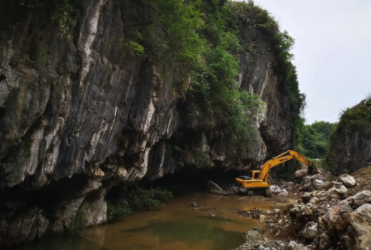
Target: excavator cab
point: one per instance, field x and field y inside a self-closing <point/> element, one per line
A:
<point x="254" y="174"/>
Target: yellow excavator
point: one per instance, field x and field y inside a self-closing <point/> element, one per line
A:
<point x="258" y="180"/>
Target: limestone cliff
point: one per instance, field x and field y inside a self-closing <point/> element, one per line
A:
<point x="350" y="143"/>
<point x="78" y="116"/>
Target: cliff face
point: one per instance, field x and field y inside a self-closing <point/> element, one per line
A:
<point x="79" y="116"/>
<point x="350" y="143"/>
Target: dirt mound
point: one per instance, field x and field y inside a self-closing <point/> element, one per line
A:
<point x="364" y="173"/>
<point x="363" y="179"/>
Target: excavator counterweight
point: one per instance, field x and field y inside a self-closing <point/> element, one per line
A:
<point x="259" y="178"/>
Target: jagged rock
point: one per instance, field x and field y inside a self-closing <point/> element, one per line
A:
<point x="275" y="189"/>
<point x="336" y="221"/>
<point x="353" y="146"/>
<point x="295" y="246"/>
<point x="306" y="197"/>
<point x="314" y="201"/>
<point x="338" y="192"/>
<point x="276" y="211"/>
<point x="25" y="227"/>
<point x="300" y="174"/>
<point x="98" y="172"/>
<point x="261" y="247"/>
<point x="315" y="181"/>
<point x="283" y="193"/>
<point x="319" y="183"/>
<point x="356" y="201"/>
<point x="360" y="228"/>
<point x="347" y="180"/>
<point x="324" y="242"/>
<point x="310" y="230"/>
<point x="91" y="110"/>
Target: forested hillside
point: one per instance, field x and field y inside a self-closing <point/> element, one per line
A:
<point x="316" y="139"/>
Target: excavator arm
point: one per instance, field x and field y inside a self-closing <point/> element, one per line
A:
<point x="290" y="154"/>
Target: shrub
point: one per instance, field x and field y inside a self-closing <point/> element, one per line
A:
<point x="200" y="157"/>
<point x="114" y="211"/>
<point x="148" y="198"/>
<point x="124" y="200"/>
<point x="59" y="12"/>
<point x="75" y="226"/>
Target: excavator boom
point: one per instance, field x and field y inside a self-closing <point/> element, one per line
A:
<point x="259" y="179"/>
<point x="288" y="155"/>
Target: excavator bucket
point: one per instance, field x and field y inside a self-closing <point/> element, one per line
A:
<point x="312" y="170"/>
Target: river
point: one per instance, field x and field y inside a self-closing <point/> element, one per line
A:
<point x="214" y="226"/>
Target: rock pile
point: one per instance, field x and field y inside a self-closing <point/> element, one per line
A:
<point x="330" y="215"/>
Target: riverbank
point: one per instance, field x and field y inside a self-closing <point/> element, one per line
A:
<point x="329" y="215"/>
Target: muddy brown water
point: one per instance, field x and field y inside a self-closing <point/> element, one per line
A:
<point x="214" y="226"/>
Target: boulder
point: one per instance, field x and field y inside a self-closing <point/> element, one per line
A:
<point x="275" y="189"/>
<point x="310" y="230"/>
<point x="324" y="242"/>
<point x="300" y="174"/>
<point x="296" y="246"/>
<point x="276" y="211"/>
<point x="347" y="180"/>
<point x="306" y="197"/>
<point x="314" y="201"/>
<point x="318" y="183"/>
<point x="337" y="191"/>
<point x="356" y="201"/>
<point x="261" y="247"/>
<point x="30" y="225"/>
<point x="359" y="230"/>
<point x="336" y="221"/>
<point x="283" y="193"/>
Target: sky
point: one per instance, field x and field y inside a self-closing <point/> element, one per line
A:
<point x="332" y="51"/>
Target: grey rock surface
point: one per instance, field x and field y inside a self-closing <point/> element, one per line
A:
<point x="80" y="115"/>
<point x="351" y="147"/>
<point x="359" y="231"/>
<point x="347" y="180"/>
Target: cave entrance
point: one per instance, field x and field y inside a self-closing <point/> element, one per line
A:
<point x="192" y="179"/>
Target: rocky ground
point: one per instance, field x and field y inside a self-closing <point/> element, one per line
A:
<point x="329" y="214"/>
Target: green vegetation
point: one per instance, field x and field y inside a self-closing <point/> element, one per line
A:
<point x="331" y="177"/>
<point x="316" y="139"/>
<point x="75" y="226"/>
<point x="201" y="39"/>
<point x="18" y="138"/>
<point x="125" y="201"/>
<point x="200" y="157"/>
<point x="114" y="211"/>
<point x="59" y="12"/>
<point x="356" y="118"/>
<point x="281" y="43"/>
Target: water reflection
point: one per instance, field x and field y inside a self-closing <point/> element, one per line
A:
<point x="176" y="226"/>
